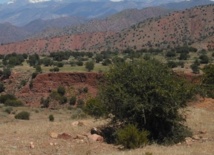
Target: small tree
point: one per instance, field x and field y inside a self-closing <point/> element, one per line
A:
<point x="149" y="95"/>
<point x="204" y="59"/>
<point x="208" y="82"/>
<point x="61" y="90"/>
<point x="6" y="73"/>
<point x="73" y="100"/>
<point x="89" y="65"/>
<point x="2" y="87"/>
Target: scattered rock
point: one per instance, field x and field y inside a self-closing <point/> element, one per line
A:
<point x="196" y="137"/>
<point x="188" y="141"/>
<point x="54" y="135"/>
<point x="32" y="145"/>
<point x="78" y="123"/>
<point x="80" y="141"/>
<point x="95" y="138"/>
<point x="53" y="144"/>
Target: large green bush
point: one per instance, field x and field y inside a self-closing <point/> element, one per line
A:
<point x="148" y="94"/>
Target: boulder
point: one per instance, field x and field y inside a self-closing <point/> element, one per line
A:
<point x="95" y="138"/>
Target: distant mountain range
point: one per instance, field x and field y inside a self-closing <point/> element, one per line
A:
<point x="22" y="12"/>
<point x="193" y="27"/>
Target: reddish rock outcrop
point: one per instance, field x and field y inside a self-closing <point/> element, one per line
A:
<point x="43" y="84"/>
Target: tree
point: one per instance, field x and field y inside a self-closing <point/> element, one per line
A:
<point x="183" y="56"/>
<point x="61" y="90"/>
<point x="2" y="87"/>
<point x="6" y="73"/>
<point x="207" y="81"/>
<point x="195" y="67"/>
<point x="89" y="65"/>
<point x="204" y="59"/>
<point x="149" y="95"/>
<point x="34" y="60"/>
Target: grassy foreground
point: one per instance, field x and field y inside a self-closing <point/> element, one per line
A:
<point x="18" y="135"/>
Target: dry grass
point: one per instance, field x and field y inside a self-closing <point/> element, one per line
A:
<point x="16" y="135"/>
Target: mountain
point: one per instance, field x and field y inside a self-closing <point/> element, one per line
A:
<point x="114" y="23"/>
<point x="176" y="29"/>
<point x="186" y="4"/>
<point x="9" y="32"/>
<point x="189" y="27"/>
<point x="40" y="24"/>
<point x="22" y="12"/>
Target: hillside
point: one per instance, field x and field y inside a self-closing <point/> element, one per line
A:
<point x="116" y="22"/>
<point x="47" y="45"/>
<point x="11" y="33"/>
<point x="40" y="24"/>
<point x="176" y="29"/>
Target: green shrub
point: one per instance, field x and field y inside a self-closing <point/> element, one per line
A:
<point x="60" y="64"/>
<point x="55" y="69"/>
<point x="130" y="137"/>
<point x="63" y="100"/>
<point x="31" y="84"/>
<point x="204" y="59"/>
<point x="85" y="90"/>
<point x="89" y="65"/>
<point x="61" y="90"/>
<point x="34" y="74"/>
<point x="79" y="63"/>
<point x="172" y="64"/>
<point x="73" y="100"/>
<point x="4" y="98"/>
<point x="51" y="118"/>
<point x="95" y="108"/>
<point x="24" y="115"/>
<point x="38" y="69"/>
<point x="13" y="103"/>
<point x="6" y="73"/>
<point x="207" y="80"/>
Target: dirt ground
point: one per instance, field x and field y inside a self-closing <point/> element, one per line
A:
<point x="36" y="136"/>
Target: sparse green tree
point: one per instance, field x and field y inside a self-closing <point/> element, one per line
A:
<point x="89" y="65"/>
<point x="149" y="95"/>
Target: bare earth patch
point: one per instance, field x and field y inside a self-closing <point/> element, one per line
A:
<point x="36" y="136"/>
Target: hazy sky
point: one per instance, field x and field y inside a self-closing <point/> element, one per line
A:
<point x="2" y="1"/>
